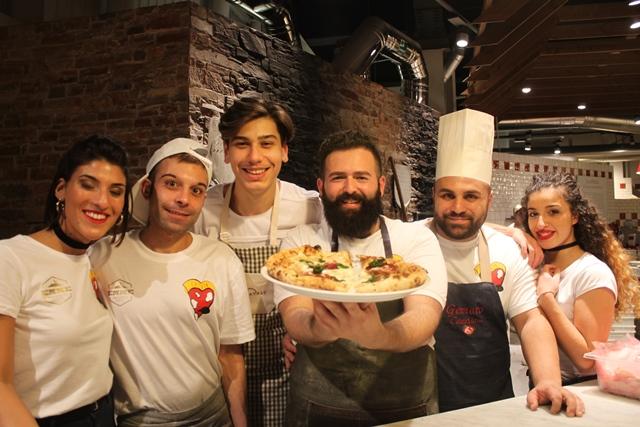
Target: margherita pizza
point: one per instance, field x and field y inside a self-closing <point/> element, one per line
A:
<point x="311" y="267"/>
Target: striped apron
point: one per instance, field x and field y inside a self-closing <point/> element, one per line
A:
<point x="267" y="377"/>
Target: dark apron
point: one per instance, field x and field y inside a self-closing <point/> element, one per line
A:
<point x="472" y="348"/>
<point x="343" y="384"/>
<point x="267" y="377"/>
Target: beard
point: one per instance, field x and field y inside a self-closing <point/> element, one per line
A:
<point x="352" y="223"/>
<point x="459" y="231"/>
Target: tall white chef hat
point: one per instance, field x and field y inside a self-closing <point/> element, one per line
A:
<point x="465" y="145"/>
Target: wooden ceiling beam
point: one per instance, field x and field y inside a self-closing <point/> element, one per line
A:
<point x="565" y="47"/>
<point x="563" y="65"/>
<point x="591" y="30"/>
<point x="578" y="82"/>
<point x="597" y="12"/>
<point x="575" y="99"/>
<point x="539" y="93"/>
<point x="584" y="71"/>
<point x="572" y="60"/>
<point x="533" y="30"/>
<point x="498" y="11"/>
<point x="495" y="33"/>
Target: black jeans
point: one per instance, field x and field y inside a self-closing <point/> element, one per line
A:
<point x="97" y="414"/>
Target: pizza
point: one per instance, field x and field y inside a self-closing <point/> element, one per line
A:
<point x="311" y="267"/>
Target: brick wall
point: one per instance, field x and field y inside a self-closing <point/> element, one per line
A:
<point x="123" y="75"/>
<point x="147" y="75"/>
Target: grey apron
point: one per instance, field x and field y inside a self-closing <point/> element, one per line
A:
<point x="345" y="384"/>
<point x="213" y="412"/>
<point x="472" y="347"/>
<point x="267" y="377"/>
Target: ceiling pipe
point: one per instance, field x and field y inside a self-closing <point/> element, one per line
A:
<point x="376" y="37"/>
<point x="453" y="62"/>
<point x="608" y="124"/>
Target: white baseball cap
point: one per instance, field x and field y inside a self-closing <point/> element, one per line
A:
<point x="465" y="145"/>
<point x="140" y="209"/>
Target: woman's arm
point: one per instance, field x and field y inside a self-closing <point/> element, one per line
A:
<point x="593" y="314"/>
<point x="13" y="412"/>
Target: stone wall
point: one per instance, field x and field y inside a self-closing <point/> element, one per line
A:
<point x="147" y="75"/>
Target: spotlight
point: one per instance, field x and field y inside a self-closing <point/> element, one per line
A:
<point x="582" y="106"/>
<point x="636" y="119"/>
<point x="527" y="146"/>
<point x="527" y="89"/>
<point x="557" y="150"/>
<point x="634" y="25"/>
<point x="462" y="39"/>
<point x="634" y="2"/>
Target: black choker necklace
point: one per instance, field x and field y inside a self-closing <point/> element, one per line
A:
<point x="72" y="243"/>
<point x="561" y="247"/>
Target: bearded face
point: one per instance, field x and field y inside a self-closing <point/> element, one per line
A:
<point x="352" y="214"/>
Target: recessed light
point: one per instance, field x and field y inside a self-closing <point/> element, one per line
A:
<point x="635" y="25"/>
<point x="582" y="106"/>
<point x="527" y="89"/>
<point x="634" y="2"/>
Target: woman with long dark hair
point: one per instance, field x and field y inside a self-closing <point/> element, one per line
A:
<point x="586" y="281"/>
<point x="55" y="334"/>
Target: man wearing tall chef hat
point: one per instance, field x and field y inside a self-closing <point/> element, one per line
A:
<point x="489" y="282"/>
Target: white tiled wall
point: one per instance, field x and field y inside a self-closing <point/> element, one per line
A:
<point x="512" y="174"/>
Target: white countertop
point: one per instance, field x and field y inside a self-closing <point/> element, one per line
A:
<point x="601" y="410"/>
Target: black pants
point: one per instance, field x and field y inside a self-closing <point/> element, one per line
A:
<point x="97" y="414"/>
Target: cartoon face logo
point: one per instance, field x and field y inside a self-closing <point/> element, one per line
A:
<point x="201" y="295"/>
<point x="498" y="271"/>
<point x="468" y="329"/>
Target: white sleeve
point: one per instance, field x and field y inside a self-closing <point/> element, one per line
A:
<point x="523" y="293"/>
<point x="425" y="252"/>
<point x="10" y="283"/>
<point x="237" y="322"/>
<point x="594" y="277"/>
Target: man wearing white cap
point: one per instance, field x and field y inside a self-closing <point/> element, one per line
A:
<point x="489" y="281"/>
<point x="179" y="302"/>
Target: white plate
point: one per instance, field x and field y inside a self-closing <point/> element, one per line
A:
<point x="341" y="296"/>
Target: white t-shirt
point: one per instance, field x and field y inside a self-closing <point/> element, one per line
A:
<point x="412" y="241"/>
<point x="165" y="347"/>
<point x="297" y="206"/>
<point x="62" y="333"/>
<point x="583" y="275"/>
<point x="509" y="270"/>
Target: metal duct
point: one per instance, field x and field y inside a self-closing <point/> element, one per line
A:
<point x="376" y="37"/>
<point x="608" y="124"/>
<point x="279" y="23"/>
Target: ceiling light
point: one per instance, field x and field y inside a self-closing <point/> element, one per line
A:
<point x="582" y="106"/>
<point x="462" y="39"/>
<point x="557" y="150"/>
<point x="634" y="2"/>
<point x="636" y="120"/>
<point x="636" y="24"/>
<point x="527" y="89"/>
<point x="527" y="146"/>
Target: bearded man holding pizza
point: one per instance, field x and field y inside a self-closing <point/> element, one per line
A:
<point x="360" y="362"/>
